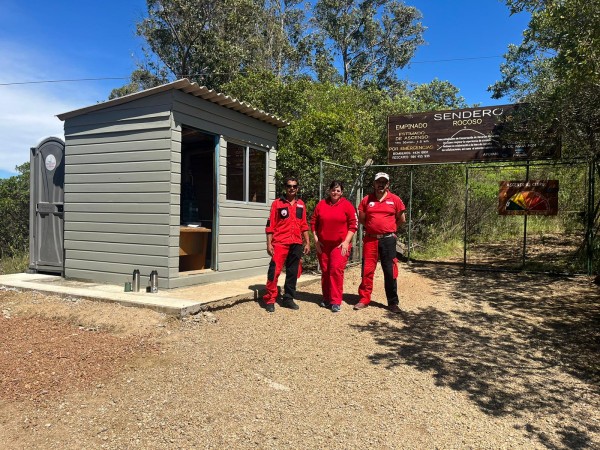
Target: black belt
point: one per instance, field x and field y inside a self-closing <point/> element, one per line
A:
<point x="380" y="236"/>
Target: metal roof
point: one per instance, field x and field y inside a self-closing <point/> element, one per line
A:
<point x="188" y="87"/>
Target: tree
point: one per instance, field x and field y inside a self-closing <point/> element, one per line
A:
<point x="14" y="213"/>
<point x="372" y="38"/>
<point x="436" y="95"/>
<point x="287" y="46"/>
<point x="187" y="36"/>
<point x="556" y="70"/>
<point x="212" y="41"/>
<point x="341" y="124"/>
<point x="140" y="80"/>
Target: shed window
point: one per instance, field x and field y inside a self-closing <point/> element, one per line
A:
<point x="246" y="173"/>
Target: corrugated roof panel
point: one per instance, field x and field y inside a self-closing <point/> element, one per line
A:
<point x="187" y="87"/>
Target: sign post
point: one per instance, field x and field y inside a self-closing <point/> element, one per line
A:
<point x="461" y="135"/>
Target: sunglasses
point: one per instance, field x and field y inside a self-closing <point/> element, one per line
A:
<point x="291" y="186"/>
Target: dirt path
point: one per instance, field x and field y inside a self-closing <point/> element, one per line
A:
<point x="476" y="361"/>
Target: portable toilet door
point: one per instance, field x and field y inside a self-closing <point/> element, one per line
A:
<point x="46" y="206"/>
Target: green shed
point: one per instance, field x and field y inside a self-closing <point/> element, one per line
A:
<point x="177" y="178"/>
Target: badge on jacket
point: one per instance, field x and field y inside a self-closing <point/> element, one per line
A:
<point x="283" y="213"/>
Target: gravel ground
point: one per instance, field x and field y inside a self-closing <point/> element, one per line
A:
<point x="482" y="360"/>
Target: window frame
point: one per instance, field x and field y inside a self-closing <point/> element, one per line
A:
<point x="246" y="173"/>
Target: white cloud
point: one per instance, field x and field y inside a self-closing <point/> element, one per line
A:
<point x="28" y="111"/>
<point x="26" y="116"/>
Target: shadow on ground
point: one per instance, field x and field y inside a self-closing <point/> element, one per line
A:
<point x="523" y="345"/>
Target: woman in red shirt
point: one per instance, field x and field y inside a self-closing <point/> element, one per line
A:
<point x="333" y="224"/>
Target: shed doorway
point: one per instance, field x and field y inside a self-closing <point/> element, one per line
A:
<point x="197" y="213"/>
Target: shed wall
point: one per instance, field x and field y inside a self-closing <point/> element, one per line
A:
<point x="122" y="191"/>
<point x="119" y="208"/>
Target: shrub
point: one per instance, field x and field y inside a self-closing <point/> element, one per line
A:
<point x="14" y="213"/>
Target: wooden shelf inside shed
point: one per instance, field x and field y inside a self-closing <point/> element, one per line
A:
<point x="193" y="242"/>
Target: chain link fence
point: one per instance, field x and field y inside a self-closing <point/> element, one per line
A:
<point x="452" y="214"/>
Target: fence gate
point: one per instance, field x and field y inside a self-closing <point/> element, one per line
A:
<point x="46" y="206"/>
<point x="453" y="218"/>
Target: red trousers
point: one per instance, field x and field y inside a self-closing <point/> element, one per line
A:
<point x="332" y="265"/>
<point x="384" y="250"/>
<point x="291" y="256"/>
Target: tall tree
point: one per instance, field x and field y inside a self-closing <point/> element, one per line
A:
<point x="140" y="79"/>
<point x="286" y="43"/>
<point x="371" y="38"/>
<point x="556" y="69"/>
<point x="198" y="39"/>
<point x="212" y="41"/>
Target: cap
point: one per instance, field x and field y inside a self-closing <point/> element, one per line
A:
<point x="382" y="175"/>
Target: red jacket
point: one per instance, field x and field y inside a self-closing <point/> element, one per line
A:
<point x="331" y="222"/>
<point x="380" y="217"/>
<point x="287" y="222"/>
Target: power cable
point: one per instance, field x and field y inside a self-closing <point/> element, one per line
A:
<point x="63" y="81"/>
<point x="127" y="78"/>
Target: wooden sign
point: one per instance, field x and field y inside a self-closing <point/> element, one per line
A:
<point x="535" y="197"/>
<point x="461" y="135"/>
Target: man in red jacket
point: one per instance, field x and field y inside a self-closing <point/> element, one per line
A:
<point x="286" y="228"/>
<point x="381" y="213"/>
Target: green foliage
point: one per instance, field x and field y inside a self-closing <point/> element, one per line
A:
<point x="14" y="213"/>
<point x="436" y="95"/>
<point x="373" y="38"/>
<point x="17" y="263"/>
<point x="341" y="124"/>
<point x="212" y="41"/>
<point x="140" y="80"/>
<point x="556" y="69"/>
<point x="338" y="124"/>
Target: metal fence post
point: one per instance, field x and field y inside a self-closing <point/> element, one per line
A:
<point x="466" y="216"/>
<point x="524" y="256"/>
<point x="410" y="196"/>
<point x="590" y="214"/>
<point x="321" y="180"/>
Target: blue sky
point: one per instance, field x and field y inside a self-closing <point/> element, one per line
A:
<point x="74" y="40"/>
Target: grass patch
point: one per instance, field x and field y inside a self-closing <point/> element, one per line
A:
<point x="446" y="249"/>
<point x="17" y="263"/>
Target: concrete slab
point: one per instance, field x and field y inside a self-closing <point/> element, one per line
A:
<point x="179" y="302"/>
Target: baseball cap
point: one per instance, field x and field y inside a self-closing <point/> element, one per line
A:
<point x="382" y="175"/>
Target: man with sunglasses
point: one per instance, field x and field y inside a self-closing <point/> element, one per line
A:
<point x="286" y="229"/>
<point x="381" y="213"/>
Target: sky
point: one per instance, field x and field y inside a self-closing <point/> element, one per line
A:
<point x="95" y="42"/>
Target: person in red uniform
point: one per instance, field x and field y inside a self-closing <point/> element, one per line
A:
<point x="381" y="213"/>
<point x="286" y="228"/>
<point x="333" y="224"/>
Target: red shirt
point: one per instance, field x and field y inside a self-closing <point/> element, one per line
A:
<point x="287" y="221"/>
<point x="331" y="222"/>
<point x="380" y="216"/>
